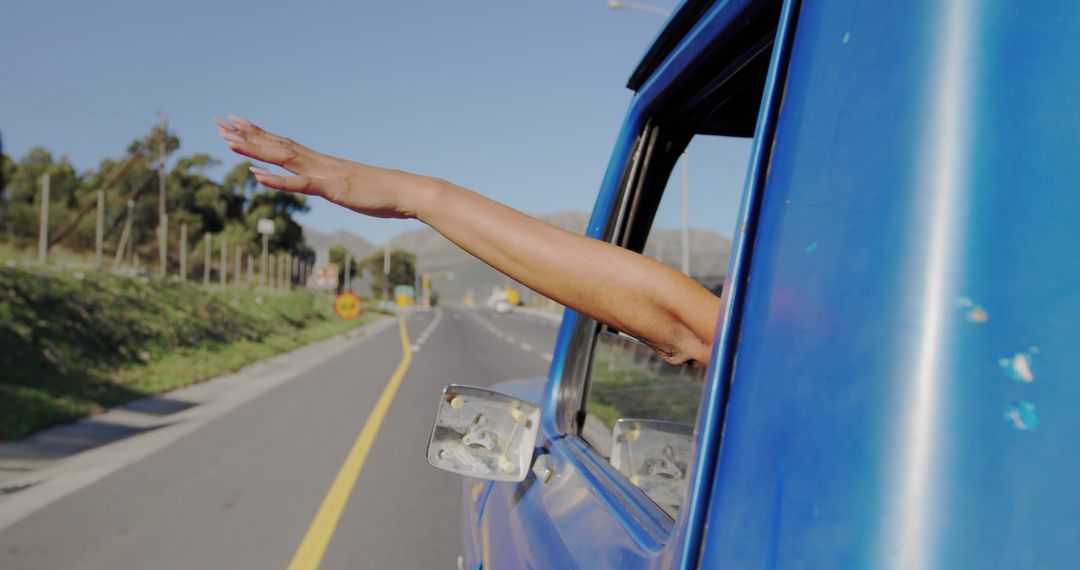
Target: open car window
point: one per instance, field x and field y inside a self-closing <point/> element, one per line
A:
<point x="640" y="411"/>
<point x="679" y="205"/>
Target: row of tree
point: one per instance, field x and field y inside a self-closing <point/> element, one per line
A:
<point x="228" y="209"/>
<point x="402" y="269"/>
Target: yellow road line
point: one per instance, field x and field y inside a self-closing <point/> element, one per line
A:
<point x="310" y="553"/>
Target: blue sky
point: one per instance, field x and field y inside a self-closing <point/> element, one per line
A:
<point x="520" y="101"/>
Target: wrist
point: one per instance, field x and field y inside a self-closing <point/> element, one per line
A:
<point x="423" y="193"/>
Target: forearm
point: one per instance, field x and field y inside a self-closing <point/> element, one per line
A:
<point x="641" y="297"/>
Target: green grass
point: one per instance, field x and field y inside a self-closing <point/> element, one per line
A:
<point x="73" y="344"/>
<point x="630" y="381"/>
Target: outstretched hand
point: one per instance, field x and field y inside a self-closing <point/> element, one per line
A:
<point x="366" y="189"/>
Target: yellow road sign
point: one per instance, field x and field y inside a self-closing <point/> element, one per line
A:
<point x="347" y="306"/>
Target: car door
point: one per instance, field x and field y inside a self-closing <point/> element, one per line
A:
<point x="611" y="485"/>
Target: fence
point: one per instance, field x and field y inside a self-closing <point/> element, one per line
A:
<point x="270" y="271"/>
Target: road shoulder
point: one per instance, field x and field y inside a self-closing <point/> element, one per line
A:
<point x="45" y="467"/>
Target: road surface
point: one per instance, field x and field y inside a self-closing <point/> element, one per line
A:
<point x="242" y="491"/>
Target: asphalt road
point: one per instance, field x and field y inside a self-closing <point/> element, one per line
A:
<point x="242" y="490"/>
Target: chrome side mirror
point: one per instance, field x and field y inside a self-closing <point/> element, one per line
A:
<point x="483" y="434"/>
<point x="654" y="455"/>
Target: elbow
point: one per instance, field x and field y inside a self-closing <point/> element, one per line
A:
<point x="685" y="348"/>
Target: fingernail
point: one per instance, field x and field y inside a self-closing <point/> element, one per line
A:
<point x="233" y="138"/>
<point x="241" y="121"/>
<point x="257" y="170"/>
<point x="224" y="124"/>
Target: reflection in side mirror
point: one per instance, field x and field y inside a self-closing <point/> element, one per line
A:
<point x="483" y="434"/>
<point x="654" y="455"/>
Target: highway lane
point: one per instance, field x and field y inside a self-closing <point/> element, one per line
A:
<point x="242" y="491"/>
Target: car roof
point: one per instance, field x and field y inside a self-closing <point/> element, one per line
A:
<point x="679" y="25"/>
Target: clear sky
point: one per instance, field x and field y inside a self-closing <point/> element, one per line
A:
<point x="518" y="100"/>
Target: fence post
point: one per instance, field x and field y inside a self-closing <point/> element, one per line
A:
<point x="289" y="274"/>
<point x="43" y="230"/>
<point x="206" y="261"/>
<point x="251" y="269"/>
<point x="237" y="266"/>
<point x="183" y="252"/>
<point x="223" y="263"/>
<point x="271" y="275"/>
<point x="121" y="248"/>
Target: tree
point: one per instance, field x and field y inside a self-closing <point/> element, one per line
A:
<point x="230" y="209"/>
<point x="280" y="207"/>
<point x="24" y="188"/>
<point x="402" y="270"/>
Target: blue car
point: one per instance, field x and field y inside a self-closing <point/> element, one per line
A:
<point x="895" y="379"/>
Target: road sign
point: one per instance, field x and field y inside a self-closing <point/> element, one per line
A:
<point x="265" y="226"/>
<point x="348" y="306"/>
<point x="325" y="277"/>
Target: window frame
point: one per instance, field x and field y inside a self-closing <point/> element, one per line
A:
<point x="646" y="170"/>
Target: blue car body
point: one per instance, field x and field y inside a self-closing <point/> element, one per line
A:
<point x="902" y="303"/>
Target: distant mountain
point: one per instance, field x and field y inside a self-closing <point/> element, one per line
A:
<point x="354" y="244"/>
<point x="709" y="253"/>
<point x="433" y="249"/>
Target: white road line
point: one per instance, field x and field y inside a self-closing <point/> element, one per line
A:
<point x="424" y="336"/>
<point x="415" y="348"/>
<point x="547" y="356"/>
<point x="526" y="346"/>
<point x="510" y="339"/>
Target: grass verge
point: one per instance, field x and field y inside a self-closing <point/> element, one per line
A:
<point x="74" y="344"/>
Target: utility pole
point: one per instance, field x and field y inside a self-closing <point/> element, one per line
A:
<point x="163" y="219"/>
<point x="416" y="278"/>
<point x="686" y="213"/>
<point x="183" y="252"/>
<point x="386" y="271"/>
<point x="347" y="286"/>
<point x="262" y="263"/>
<point x="43" y="230"/>
<point x="99" y="229"/>
<point x="206" y="260"/>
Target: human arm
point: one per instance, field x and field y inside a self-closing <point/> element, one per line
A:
<point x="643" y="298"/>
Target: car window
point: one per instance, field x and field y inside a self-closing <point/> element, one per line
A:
<point x="640" y="411"/>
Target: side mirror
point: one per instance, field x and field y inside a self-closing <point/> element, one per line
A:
<point x="654" y="455"/>
<point x="483" y="434"/>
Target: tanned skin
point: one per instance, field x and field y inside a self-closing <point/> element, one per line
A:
<point x="646" y="299"/>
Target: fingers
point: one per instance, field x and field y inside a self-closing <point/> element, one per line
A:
<point x="301" y="183"/>
<point x="243" y="137"/>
